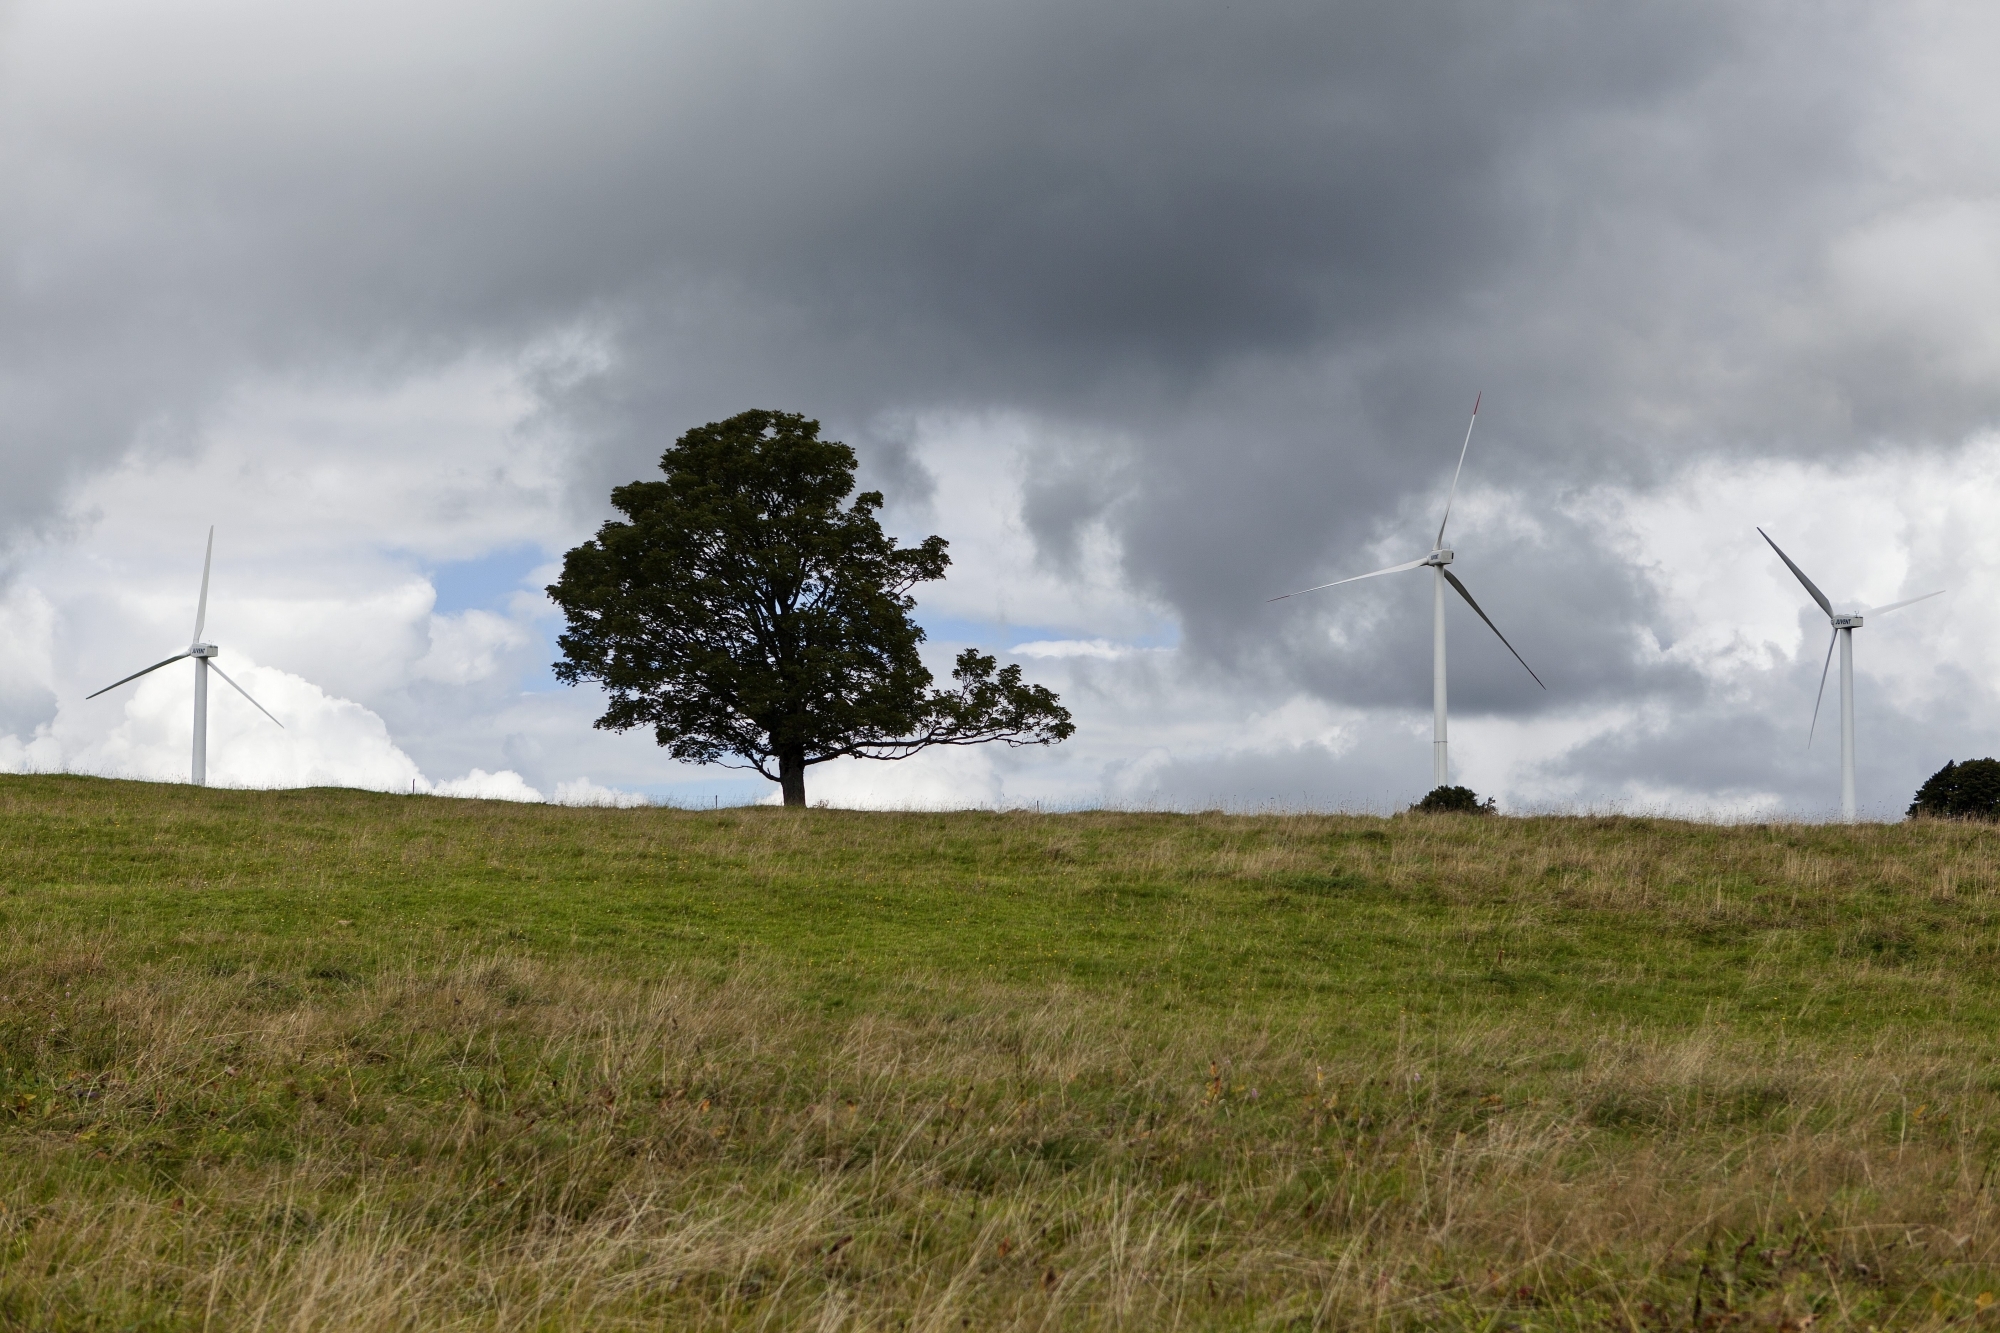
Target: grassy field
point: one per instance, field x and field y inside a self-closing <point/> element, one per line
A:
<point x="334" y="1060"/>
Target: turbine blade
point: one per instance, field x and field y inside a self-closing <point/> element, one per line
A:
<point x="1393" y="569"/>
<point x="1817" y="595"/>
<point x="1897" y="606"/>
<point x="201" y="608"/>
<point x="136" y="674"/>
<point x="245" y="693"/>
<point x="1453" y="495"/>
<point x="1452" y="579"/>
<point x="1817" y="698"/>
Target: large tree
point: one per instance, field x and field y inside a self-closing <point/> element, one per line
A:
<point x="742" y="612"/>
<point x="1969" y="790"/>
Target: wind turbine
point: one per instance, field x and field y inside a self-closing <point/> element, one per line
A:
<point x="1844" y="626"/>
<point x="203" y="655"/>
<point x="1439" y="557"/>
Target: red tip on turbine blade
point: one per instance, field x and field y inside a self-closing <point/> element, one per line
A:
<point x="1477" y="400"/>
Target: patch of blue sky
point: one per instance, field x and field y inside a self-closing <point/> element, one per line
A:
<point x="541" y="678"/>
<point x="486" y="582"/>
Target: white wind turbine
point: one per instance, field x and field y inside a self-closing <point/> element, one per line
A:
<point x="1844" y="625"/>
<point x="203" y="655"/>
<point x="1439" y="557"/>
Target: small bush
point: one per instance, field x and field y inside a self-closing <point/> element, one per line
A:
<point x="1970" y="790"/>
<point x="1454" y="801"/>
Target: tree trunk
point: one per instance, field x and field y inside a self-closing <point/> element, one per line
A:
<point x="792" y="777"/>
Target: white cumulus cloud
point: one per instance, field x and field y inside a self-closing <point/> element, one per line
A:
<point x="582" y="791"/>
<point x="506" y="785"/>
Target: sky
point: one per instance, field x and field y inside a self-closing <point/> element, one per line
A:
<point x="1153" y="311"/>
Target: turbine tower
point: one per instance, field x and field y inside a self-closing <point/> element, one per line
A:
<point x="204" y="655"/>
<point x="1844" y="624"/>
<point x="1438" y="559"/>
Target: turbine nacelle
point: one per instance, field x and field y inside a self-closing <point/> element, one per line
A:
<point x="1846" y="622"/>
<point x="1440" y="558"/>
<point x="203" y="650"/>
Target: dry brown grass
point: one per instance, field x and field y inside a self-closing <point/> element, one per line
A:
<point x="329" y="1061"/>
<point x="493" y="1142"/>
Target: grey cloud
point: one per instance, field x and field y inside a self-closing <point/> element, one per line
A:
<point x="1247" y="262"/>
<point x="1735" y="748"/>
<point x="889" y="463"/>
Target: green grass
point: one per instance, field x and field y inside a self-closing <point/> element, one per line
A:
<point x="341" y="1060"/>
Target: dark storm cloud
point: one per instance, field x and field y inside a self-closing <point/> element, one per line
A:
<point x="1262" y="254"/>
<point x="1197" y="223"/>
<point x="1039" y="204"/>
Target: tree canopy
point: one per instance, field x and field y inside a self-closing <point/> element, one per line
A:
<point x="1454" y="800"/>
<point x="743" y="613"/>
<point x="1970" y="790"/>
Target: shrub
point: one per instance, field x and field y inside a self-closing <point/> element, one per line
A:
<point x="1970" y="790"/>
<point x="1454" y="801"/>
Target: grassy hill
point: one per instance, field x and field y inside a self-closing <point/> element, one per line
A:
<point x="334" y="1060"/>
